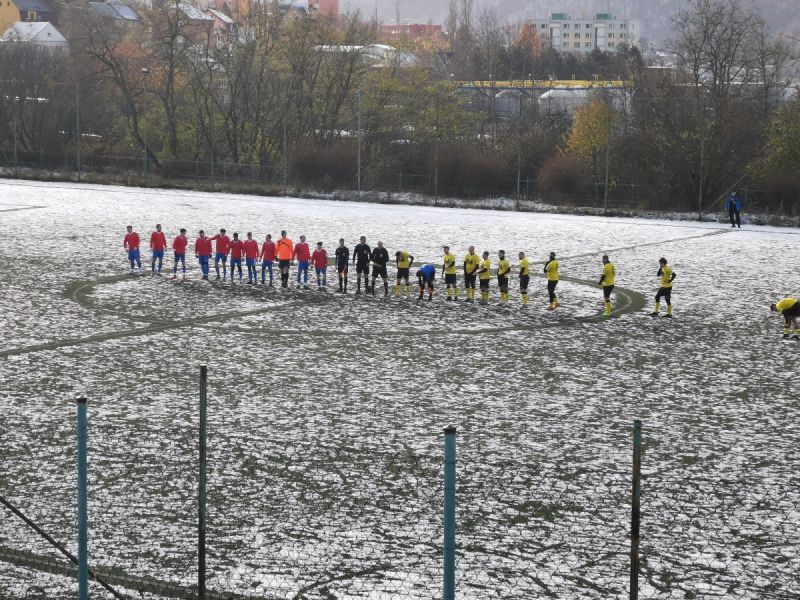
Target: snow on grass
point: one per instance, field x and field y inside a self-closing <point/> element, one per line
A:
<point x="326" y="412"/>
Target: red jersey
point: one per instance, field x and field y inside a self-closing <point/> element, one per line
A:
<point x="236" y="248"/>
<point x="158" y="241"/>
<point x="223" y="243"/>
<point x="202" y="246"/>
<point x="131" y="241"/>
<point x="179" y="244"/>
<point x="320" y="258"/>
<point x="268" y="251"/>
<point x="301" y="252"/>
<point x="250" y="249"/>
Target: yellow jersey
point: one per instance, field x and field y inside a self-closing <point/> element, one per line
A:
<point x="524" y="268"/>
<point x="450" y="264"/>
<point x="471" y="264"/>
<point x="666" y="276"/>
<point x="551" y="268"/>
<point x="503" y="268"/>
<point x="486" y="269"/>
<point x="785" y="304"/>
<point x="404" y="262"/>
<point x="608" y="274"/>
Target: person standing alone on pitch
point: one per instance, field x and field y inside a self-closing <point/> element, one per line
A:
<point x="320" y="260"/>
<point x="285" y="248"/>
<point x="250" y="257"/>
<point x="303" y="255"/>
<point x="268" y="250"/>
<point x="236" y="248"/>
<point x="202" y="250"/>
<point x="551" y="269"/>
<point x="471" y="264"/>
<point x="131" y="245"/>
<point x="450" y="276"/>
<point x="665" y="291"/>
<point x="607" y="281"/>
<point x="380" y="258"/>
<point x="403" y="260"/>
<point x="790" y="309"/>
<point x="361" y="257"/>
<point x="221" y="254"/>
<point x="342" y="260"/>
<point x="733" y="204"/>
<point x="158" y="243"/>
<point x="179" y="246"/>
<point x="524" y="277"/>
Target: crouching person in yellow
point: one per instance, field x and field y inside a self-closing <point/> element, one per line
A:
<point x="790" y="309"/>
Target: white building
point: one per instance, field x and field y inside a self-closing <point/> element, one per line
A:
<point x="39" y="33"/>
<point x="603" y="32"/>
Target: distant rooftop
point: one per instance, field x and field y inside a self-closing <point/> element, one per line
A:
<point x="115" y="10"/>
<point x="34" y="5"/>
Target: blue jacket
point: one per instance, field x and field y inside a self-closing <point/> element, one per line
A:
<point x="733" y="202"/>
<point x="426" y="271"/>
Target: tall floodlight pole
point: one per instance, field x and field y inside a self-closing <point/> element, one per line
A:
<point x="145" y="73"/>
<point x="78" y="128"/>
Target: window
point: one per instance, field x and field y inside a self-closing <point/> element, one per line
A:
<point x="622" y="25"/>
<point x="610" y="44"/>
<point x="577" y="35"/>
<point x="31" y="15"/>
<point x="587" y="35"/>
<point x="588" y="26"/>
<point x="576" y="45"/>
<point x="543" y="26"/>
<point x="577" y="25"/>
<point x="610" y="35"/>
<point x="566" y="35"/>
<point x="587" y="44"/>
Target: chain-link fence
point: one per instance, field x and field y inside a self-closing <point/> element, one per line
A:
<point x="292" y="514"/>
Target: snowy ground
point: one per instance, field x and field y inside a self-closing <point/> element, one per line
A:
<point x="326" y="412"/>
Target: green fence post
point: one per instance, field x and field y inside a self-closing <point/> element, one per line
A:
<point x="635" y="508"/>
<point x="83" y="538"/>
<point x="201" y="522"/>
<point x="449" y="547"/>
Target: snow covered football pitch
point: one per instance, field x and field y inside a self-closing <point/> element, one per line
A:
<point x="326" y="412"/>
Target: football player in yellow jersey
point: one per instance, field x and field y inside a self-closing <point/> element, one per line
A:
<point x="607" y="281"/>
<point x="503" y="270"/>
<point x="551" y="269"/>
<point x="524" y="277"/>
<point x="471" y="264"/>
<point x="484" y="275"/>
<point x="665" y="291"/>
<point x="404" y="261"/>
<point x="450" y="277"/>
<point x="790" y="309"/>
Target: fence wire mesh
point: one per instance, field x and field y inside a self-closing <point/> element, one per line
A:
<point x="299" y="512"/>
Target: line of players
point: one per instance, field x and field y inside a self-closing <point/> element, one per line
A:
<point x="284" y="253"/>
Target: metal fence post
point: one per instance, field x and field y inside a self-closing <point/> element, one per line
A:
<point x="449" y="546"/>
<point x="83" y="538"/>
<point x="201" y="523"/>
<point x="635" y="508"/>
